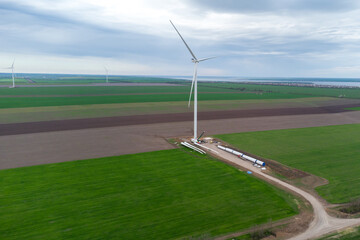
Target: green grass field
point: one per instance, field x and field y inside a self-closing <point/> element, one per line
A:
<point x="58" y="79"/>
<point x="355" y="109"/>
<point x="168" y="194"/>
<point x="107" y="94"/>
<point x="84" y="90"/>
<point x="331" y="152"/>
<point x="101" y="79"/>
<point x="8" y="81"/>
<point x="21" y="102"/>
<point x="223" y="86"/>
<point x="313" y="91"/>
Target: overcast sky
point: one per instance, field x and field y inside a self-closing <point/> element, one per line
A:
<point x="257" y="38"/>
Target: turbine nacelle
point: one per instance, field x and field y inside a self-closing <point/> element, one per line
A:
<point x="201" y="60"/>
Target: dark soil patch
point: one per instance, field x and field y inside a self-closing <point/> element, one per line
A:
<point x="285" y="171"/>
<point x="74" y="124"/>
<point x="312" y="181"/>
<point x="352" y="207"/>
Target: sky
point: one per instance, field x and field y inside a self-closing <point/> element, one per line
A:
<point x="257" y="38"/>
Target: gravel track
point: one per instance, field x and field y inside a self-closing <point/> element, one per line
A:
<point x="322" y="224"/>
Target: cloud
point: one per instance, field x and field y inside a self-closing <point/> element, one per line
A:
<point x="256" y="53"/>
<point x="85" y="65"/>
<point x="251" y="38"/>
<point x="348" y="69"/>
<point x="29" y="31"/>
<point x="278" y="5"/>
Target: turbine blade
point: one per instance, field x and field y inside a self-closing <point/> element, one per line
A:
<point x="193" y="81"/>
<point x="192" y="86"/>
<point x="13" y="63"/>
<point x="192" y="54"/>
<point x="204" y="59"/>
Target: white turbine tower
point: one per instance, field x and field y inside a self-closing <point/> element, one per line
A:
<point x="12" y="74"/>
<point x="194" y="81"/>
<point x="107" y="74"/>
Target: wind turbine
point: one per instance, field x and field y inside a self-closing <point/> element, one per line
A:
<point x="12" y="73"/>
<point x="194" y="81"/>
<point x="107" y="74"/>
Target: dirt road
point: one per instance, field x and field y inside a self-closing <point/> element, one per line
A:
<point x="322" y="223"/>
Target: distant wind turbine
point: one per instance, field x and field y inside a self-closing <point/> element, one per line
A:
<point x="107" y="74"/>
<point x="12" y="74"/>
<point x="194" y="81"/>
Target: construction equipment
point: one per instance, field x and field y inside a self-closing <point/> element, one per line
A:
<point x="200" y="141"/>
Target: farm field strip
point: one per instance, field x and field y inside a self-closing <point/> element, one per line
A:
<point x="165" y="194"/>
<point x="61" y="101"/>
<point x="75" y="124"/>
<point x="9" y="81"/>
<point x="38" y="79"/>
<point x="136" y="79"/>
<point x="331" y="152"/>
<point x="97" y="142"/>
<point x="103" y="90"/>
<point x="35" y="114"/>
<point x="314" y="91"/>
<point x="115" y="94"/>
<point x="355" y="108"/>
